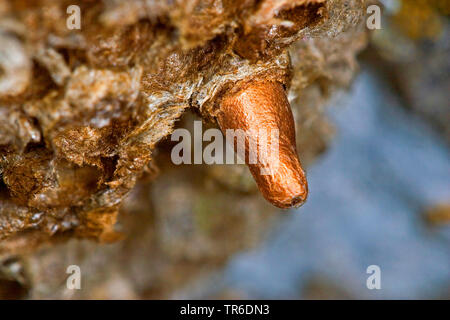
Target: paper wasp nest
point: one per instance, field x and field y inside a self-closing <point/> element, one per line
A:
<point x="85" y="116"/>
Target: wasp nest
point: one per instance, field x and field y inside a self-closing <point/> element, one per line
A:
<point x="85" y="113"/>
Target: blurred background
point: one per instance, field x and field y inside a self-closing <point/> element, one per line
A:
<point x="380" y="194"/>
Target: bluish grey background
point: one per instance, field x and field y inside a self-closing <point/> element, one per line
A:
<point x="367" y="196"/>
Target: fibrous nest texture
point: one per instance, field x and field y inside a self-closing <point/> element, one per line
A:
<point x="84" y="112"/>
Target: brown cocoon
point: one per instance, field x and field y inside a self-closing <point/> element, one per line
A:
<point x="264" y="105"/>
